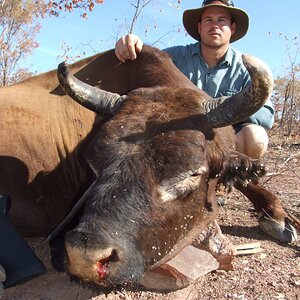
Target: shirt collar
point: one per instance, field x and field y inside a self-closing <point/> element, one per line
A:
<point x="196" y="49"/>
<point x="227" y="59"/>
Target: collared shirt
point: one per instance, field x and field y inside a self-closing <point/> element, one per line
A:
<point x="229" y="77"/>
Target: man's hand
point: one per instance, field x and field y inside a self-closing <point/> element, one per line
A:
<point x="127" y="47"/>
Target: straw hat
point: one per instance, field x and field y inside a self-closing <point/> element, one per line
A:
<point x="191" y="18"/>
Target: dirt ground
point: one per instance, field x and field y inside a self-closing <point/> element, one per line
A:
<point x="270" y="275"/>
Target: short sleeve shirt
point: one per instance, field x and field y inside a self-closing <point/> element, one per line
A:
<point x="229" y="77"/>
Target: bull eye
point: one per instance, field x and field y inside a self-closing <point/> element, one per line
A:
<point x="195" y="174"/>
<point x="180" y="185"/>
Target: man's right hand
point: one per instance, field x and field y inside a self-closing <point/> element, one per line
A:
<point x="127" y="47"/>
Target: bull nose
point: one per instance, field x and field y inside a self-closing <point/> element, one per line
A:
<point x="101" y="259"/>
<point x="91" y="265"/>
<point x="102" y="265"/>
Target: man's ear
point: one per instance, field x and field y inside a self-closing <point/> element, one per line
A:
<point x="233" y="28"/>
<point x="199" y="27"/>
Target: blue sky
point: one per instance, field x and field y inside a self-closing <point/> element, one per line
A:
<point x="163" y="20"/>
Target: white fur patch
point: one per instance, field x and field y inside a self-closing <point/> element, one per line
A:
<point x="181" y="185"/>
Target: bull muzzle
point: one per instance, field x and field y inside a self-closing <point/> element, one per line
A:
<point x="94" y="260"/>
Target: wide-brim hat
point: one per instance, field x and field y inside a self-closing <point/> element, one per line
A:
<point x="191" y="18"/>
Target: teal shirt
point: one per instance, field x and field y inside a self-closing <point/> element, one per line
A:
<point x="227" y="78"/>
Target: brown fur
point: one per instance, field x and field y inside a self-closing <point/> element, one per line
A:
<point x="45" y="135"/>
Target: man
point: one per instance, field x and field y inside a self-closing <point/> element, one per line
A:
<point x="213" y="65"/>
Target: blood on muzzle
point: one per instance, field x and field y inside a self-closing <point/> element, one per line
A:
<point x="103" y="264"/>
<point x="92" y="265"/>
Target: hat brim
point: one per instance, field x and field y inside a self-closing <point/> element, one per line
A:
<point x="191" y="18"/>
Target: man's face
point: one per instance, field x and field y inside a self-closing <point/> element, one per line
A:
<point x="216" y="27"/>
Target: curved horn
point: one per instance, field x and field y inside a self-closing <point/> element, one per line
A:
<point x="88" y="96"/>
<point x="226" y="111"/>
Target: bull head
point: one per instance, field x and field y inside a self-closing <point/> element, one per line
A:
<point x="154" y="187"/>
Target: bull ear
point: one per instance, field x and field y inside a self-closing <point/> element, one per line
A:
<point x="72" y="213"/>
<point x="226" y="111"/>
<point x="88" y="96"/>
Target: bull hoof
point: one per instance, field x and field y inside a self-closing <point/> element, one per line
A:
<point x="282" y="231"/>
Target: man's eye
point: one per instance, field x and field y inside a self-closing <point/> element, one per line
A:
<point x="222" y="21"/>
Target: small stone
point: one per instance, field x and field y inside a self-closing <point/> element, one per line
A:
<point x="296" y="283"/>
<point x="280" y="296"/>
<point x="221" y="272"/>
<point x="263" y="256"/>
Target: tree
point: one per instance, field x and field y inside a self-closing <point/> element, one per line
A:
<point x="287" y="90"/>
<point x="18" y="29"/>
<point x="128" y="23"/>
<point x="55" y="8"/>
<point x="19" y="25"/>
<point x="287" y="101"/>
<point x="141" y="17"/>
<point x="139" y="5"/>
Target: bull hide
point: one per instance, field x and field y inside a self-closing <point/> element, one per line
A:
<point x="158" y="160"/>
<point x="43" y="141"/>
<point x="166" y="131"/>
<point x="44" y="138"/>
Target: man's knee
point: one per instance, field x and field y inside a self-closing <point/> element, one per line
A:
<point x="257" y="150"/>
<point x="252" y="140"/>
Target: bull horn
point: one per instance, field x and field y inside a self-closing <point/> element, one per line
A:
<point x="88" y="96"/>
<point x="226" y="111"/>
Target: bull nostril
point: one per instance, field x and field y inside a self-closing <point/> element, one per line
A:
<point x="114" y="256"/>
<point x="103" y="264"/>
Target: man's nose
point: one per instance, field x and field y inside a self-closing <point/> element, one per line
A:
<point x="214" y="23"/>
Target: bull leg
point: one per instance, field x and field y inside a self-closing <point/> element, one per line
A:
<point x="273" y="220"/>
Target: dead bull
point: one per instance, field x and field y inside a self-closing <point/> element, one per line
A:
<point x="157" y="163"/>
